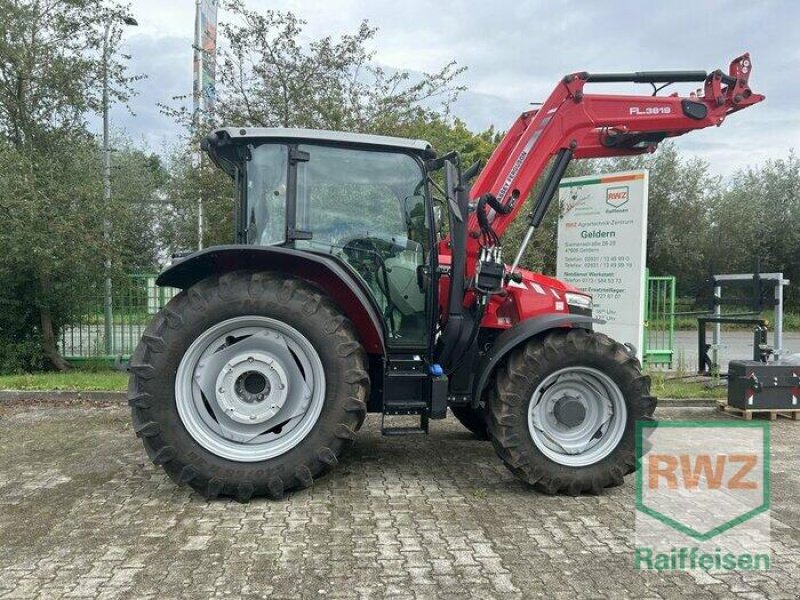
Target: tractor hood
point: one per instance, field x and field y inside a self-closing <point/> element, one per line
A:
<point x="549" y="282"/>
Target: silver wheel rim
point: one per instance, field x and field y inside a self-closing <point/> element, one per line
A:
<point x="250" y="388"/>
<point x="577" y="416"/>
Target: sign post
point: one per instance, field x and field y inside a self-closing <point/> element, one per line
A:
<point x="602" y="242"/>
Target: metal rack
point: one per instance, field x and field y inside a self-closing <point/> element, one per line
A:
<point x="757" y="284"/>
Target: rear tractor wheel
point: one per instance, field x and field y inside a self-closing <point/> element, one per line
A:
<point x="563" y="411"/>
<point x="248" y="384"/>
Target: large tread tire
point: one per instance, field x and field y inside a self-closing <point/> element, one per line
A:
<point x="518" y="378"/>
<point x="473" y="419"/>
<point x="151" y="388"/>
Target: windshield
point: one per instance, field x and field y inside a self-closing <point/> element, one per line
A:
<point x="345" y="194"/>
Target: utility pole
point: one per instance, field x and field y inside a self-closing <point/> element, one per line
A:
<point x="108" y="309"/>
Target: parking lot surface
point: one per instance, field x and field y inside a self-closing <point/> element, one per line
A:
<point x="83" y="513"/>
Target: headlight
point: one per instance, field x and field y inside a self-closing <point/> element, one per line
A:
<point x="579" y="303"/>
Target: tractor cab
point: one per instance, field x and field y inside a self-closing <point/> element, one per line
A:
<point x="360" y="198"/>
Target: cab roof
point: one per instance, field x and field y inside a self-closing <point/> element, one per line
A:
<point x="322" y="135"/>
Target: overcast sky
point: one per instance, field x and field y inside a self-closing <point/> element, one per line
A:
<point x="516" y="52"/>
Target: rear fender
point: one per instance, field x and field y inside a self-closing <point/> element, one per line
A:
<point x="520" y="333"/>
<point x="324" y="271"/>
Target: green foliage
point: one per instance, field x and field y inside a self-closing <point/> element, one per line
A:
<point x="685" y="389"/>
<point x="51" y="223"/>
<point x="51" y="211"/>
<point x="756" y="218"/>
<point x="447" y="134"/>
<point x="51" y="67"/>
<point x="187" y="186"/>
<point x="138" y="209"/>
<point x="79" y="380"/>
<point x="269" y="75"/>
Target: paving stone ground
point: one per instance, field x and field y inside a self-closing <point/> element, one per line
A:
<point x="84" y="514"/>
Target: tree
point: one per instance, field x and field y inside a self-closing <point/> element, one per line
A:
<point x="268" y="76"/>
<point x="50" y="72"/>
<point x="447" y="133"/>
<point x="139" y="214"/>
<point x="51" y="68"/>
<point x="187" y="183"/>
<point x="753" y="220"/>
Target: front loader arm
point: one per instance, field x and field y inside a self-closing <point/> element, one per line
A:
<point x="578" y="125"/>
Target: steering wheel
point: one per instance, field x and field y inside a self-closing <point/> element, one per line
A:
<point x="362" y="253"/>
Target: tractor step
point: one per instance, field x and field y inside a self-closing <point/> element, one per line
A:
<point x="405" y="407"/>
<point x="403" y="430"/>
<point x="422" y="428"/>
<point x="406" y="394"/>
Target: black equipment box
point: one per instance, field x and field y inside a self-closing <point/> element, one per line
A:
<point x="759" y="385"/>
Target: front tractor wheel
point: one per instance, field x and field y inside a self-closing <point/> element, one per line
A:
<point x="248" y="384"/>
<point x="563" y="412"/>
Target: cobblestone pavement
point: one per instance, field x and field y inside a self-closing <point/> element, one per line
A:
<point x="84" y="514"/>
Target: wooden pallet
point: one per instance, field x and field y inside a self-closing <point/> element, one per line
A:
<point x="747" y="413"/>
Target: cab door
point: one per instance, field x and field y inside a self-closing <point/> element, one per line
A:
<point x="368" y="207"/>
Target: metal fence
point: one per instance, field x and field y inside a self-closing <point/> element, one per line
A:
<point x="659" y="321"/>
<point x="134" y="300"/>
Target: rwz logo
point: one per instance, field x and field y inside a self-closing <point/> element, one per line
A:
<point x="617" y="196"/>
<point x="688" y="470"/>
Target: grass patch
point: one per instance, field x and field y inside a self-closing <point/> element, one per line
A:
<point x="76" y="380"/>
<point x="685" y="389"/>
<point x="108" y="380"/>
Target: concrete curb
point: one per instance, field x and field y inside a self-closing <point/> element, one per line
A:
<point x="9" y="396"/>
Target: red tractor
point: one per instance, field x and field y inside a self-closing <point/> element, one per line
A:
<point x="347" y="292"/>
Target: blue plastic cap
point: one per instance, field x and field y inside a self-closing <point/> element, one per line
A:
<point x="436" y="370"/>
